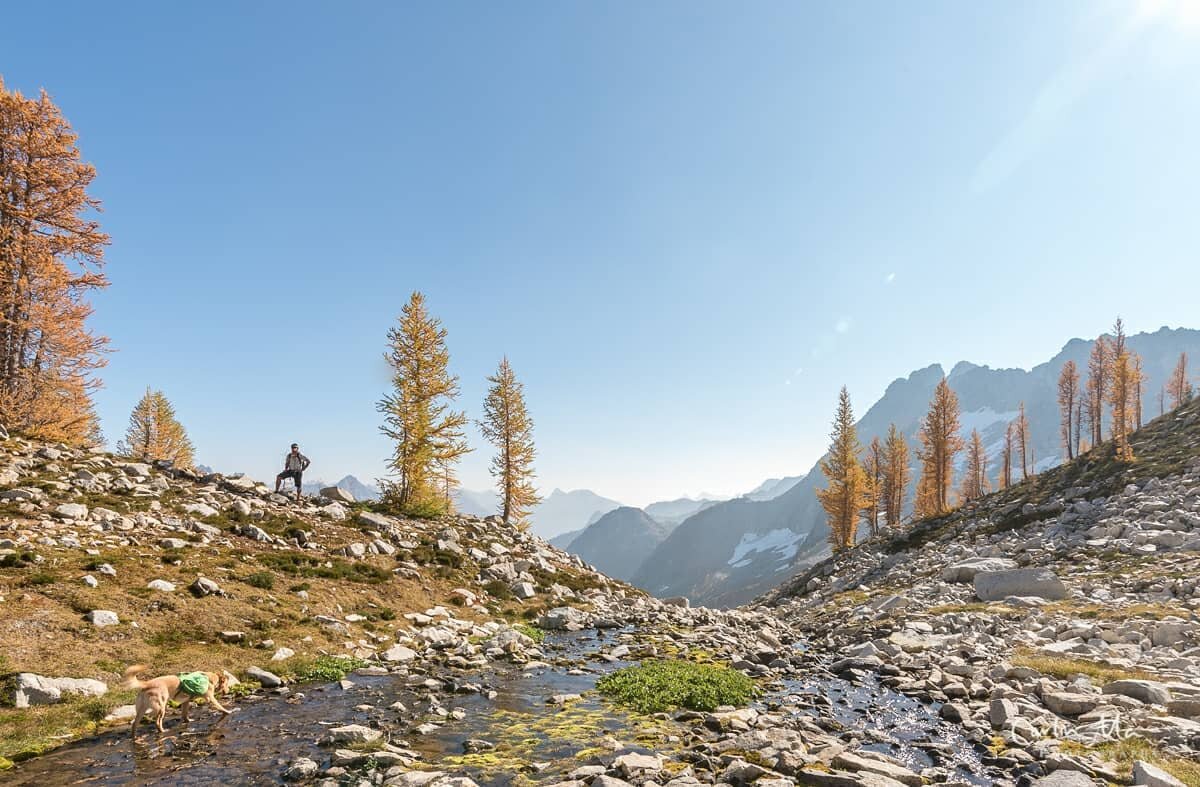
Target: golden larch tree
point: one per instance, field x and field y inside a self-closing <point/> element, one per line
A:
<point x="1121" y="387"/>
<point x="1099" y="363"/>
<point x="845" y="494"/>
<point x="419" y="415"/>
<point x="940" y="443"/>
<point x="1022" y="436"/>
<point x="51" y="258"/>
<point x="1139" y="385"/>
<point x="155" y="434"/>
<point x="874" y="468"/>
<point x="1068" y="403"/>
<point x="507" y="425"/>
<point x="895" y="476"/>
<point x="975" y="484"/>
<point x="1179" y="388"/>
<point x="1006" y="452"/>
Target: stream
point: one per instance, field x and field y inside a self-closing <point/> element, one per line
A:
<point x="533" y="741"/>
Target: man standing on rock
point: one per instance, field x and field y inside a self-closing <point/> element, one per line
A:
<point x="294" y="465"/>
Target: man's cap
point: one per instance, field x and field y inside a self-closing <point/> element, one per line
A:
<point x="295" y="445"/>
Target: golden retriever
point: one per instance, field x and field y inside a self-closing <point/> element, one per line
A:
<point x="154" y="694"/>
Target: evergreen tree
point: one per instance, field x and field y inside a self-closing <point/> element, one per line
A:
<point x="1068" y="403"/>
<point x="1179" y="388"/>
<point x="845" y="493"/>
<point x="418" y="414"/>
<point x="51" y="259"/>
<point x="975" y="479"/>
<point x="940" y="443"/>
<point x="507" y="426"/>
<point x="154" y="433"/>
<point x="895" y="476"/>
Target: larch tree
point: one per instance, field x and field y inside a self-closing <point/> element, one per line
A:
<point x="975" y="482"/>
<point x="874" y="468"/>
<point x="507" y="425"/>
<point x="418" y="413"/>
<point x="844" y="495"/>
<point x="1099" y="363"/>
<point x="1021" y="433"/>
<point x="155" y="434"/>
<point x="51" y="258"/>
<point x="1139" y="384"/>
<point x="940" y="443"/>
<point x="1068" y="403"/>
<point x="895" y="476"/>
<point x="1121" y="393"/>
<point x="1179" y="388"/>
<point x="1006" y="463"/>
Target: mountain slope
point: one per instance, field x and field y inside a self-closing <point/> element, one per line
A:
<point x="727" y="554"/>
<point x="351" y="484"/>
<point x="773" y="487"/>
<point x="560" y="512"/>
<point x="672" y="512"/>
<point x="618" y="542"/>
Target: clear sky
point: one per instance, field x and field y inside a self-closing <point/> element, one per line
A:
<point x="686" y="223"/>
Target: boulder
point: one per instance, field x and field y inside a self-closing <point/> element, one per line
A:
<point x="965" y="570"/>
<point x="1067" y="703"/>
<point x="337" y="494"/>
<point x="161" y="585"/>
<point x="853" y="762"/>
<point x="1037" y="582"/>
<point x="301" y="769"/>
<point x="102" y="617"/>
<point x="31" y="689"/>
<point x="398" y="654"/>
<point x="354" y="734"/>
<point x="200" y="509"/>
<point x="1145" y="773"/>
<point x="562" y="619"/>
<point x="371" y="519"/>
<point x="267" y="679"/>
<point x="1145" y="690"/>
<point x="75" y="511"/>
<point x="1065" y="779"/>
<point x="203" y="586"/>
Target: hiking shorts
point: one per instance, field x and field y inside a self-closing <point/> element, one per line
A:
<point x="293" y="474"/>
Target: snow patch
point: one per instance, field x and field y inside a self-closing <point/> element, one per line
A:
<point x="783" y="541"/>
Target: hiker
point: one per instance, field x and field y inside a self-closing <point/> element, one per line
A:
<point x="294" y="465"/>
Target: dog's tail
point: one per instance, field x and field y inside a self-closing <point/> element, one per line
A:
<point x="131" y="679"/>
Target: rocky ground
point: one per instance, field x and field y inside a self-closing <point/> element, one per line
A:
<point x="1047" y="635"/>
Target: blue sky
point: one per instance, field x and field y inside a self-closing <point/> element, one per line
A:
<point x="686" y="223"/>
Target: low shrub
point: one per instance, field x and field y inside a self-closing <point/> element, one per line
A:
<point x="261" y="580"/>
<point x="655" y="686"/>
<point x="322" y="669"/>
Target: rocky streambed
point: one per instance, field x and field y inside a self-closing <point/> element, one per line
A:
<point x="540" y="722"/>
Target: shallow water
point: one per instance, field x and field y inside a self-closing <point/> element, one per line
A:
<point x="254" y="745"/>
<point x="898" y="726"/>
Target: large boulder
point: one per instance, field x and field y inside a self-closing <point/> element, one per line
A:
<point x="31" y="689"/>
<point x="337" y="494"/>
<point x="965" y="570"/>
<point x="371" y="519"/>
<point x="1065" y="779"/>
<point x="1150" y="775"/>
<point x="102" y="617"/>
<point x="562" y="619"/>
<point x="72" y="511"/>
<point x="999" y="585"/>
<point x="1145" y="690"/>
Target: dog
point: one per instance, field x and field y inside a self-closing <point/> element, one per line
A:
<point x="154" y="694"/>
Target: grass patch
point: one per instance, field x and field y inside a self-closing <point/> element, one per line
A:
<point x="322" y="669"/>
<point x="302" y="565"/>
<point x="1122" y="753"/>
<point x="1064" y="667"/>
<point x="655" y="686"/>
<point x="262" y="580"/>
<point x="533" y="632"/>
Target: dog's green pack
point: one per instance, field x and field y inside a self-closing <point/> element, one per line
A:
<point x="194" y="683"/>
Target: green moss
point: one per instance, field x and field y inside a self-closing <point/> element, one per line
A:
<point x="322" y="669"/>
<point x="303" y="565"/>
<point x="655" y="686"/>
<point x="533" y="632"/>
<point x="263" y="580"/>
